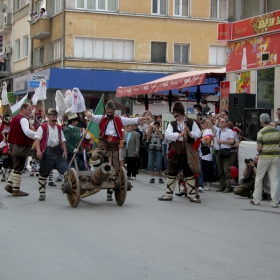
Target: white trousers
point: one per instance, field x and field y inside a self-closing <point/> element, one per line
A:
<point x="271" y="166"/>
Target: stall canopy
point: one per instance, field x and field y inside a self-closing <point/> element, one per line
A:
<point x="176" y="81"/>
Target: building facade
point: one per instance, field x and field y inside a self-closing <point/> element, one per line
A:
<point x="98" y="45"/>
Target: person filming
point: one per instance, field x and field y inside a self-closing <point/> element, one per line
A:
<point x="245" y="186"/>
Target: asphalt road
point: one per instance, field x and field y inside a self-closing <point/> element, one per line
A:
<point x="224" y="237"/>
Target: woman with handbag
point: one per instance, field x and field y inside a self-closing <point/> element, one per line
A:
<point x="224" y="138"/>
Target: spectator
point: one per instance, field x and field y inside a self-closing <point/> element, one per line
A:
<point x="276" y="124"/>
<point x="140" y="132"/>
<point x="223" y="140"/>
<point x="197" y="109"/>
<point x="143" y="156"/>
<point x="200" y="176"/>
<point x="2" y="60"/>
<point x="155" y="137"/>
<point x="234" y="146"/>
<point x="205" y="107"/>
<point x="131" y="151"/>
<point x="44" y="12"/>
<point x="245" y="186"/>
<point x="268" y="140"/>
<point x="224" y="114"/>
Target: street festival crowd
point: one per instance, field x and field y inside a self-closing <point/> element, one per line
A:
<point x="192" y="153"/>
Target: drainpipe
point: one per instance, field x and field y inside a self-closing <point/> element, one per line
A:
<point x="62" y="51"/>
<point x="30" y="58"/>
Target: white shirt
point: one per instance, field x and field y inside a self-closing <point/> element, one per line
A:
<point x="173" y="136"/>
<point x="110" y="129"/>
<point x="226" y="134"/>
<point x="53" y="136"/>
<point x="208" y="157"/>
<point x="24" y="123"/>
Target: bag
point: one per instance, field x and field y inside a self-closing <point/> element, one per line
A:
<point x="205" y="150"/>
<point x="225" y="153"/>
<point x="193" y="158"/>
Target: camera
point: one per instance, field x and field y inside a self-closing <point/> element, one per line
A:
<point x="248" y="160"/>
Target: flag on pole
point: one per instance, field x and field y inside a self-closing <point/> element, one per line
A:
<point x="15" y="108"/>
<point x="93" y="128"/>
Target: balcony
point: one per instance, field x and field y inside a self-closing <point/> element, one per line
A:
<point x="40" y="28"/>
<point x="5" y="23"/>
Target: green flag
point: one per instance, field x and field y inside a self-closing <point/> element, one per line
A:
<point x="93" y="128"/>
<point x="15" y="108"/>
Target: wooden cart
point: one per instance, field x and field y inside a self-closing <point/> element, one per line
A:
<point x="80" y="184"/>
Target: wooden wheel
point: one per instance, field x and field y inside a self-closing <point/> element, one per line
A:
<point x="120" y="194"/>
<point x="73" y="197"/>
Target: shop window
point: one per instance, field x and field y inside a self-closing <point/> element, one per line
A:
<point x="101" y="5"/>
<point x="217" y="55"/>
<point x="159" y="7"/>
<point x="252" y="8"/>
<point x="158" y="52"/>
<point x="17" y="48"/>
<point x="265" y="88"/>
<point x="181" y="53"/>
<point x="272" y="5"/>
<point x="25" y="46"/>
<point x="55" y="51"/>
<point x="39" y="56"/>
<point x="181" y="8"/>
<point x="104" y="49"/>
<point x="219" y="9"/>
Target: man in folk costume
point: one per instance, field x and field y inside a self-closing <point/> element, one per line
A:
<point x="51" y="150"/>
<point x="110" y="134"/>
<point x="20" y="139"/>
<point x="179" y="132"/>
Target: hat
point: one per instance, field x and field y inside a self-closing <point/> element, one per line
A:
<point x="72" y="116"/>
<point x="179" y="107"/>
<point x="203" y="101"/>
<point x="110" y="105"/>
<point x="52" y="111"/>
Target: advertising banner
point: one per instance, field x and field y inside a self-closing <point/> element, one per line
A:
<point x="224" y="92"/>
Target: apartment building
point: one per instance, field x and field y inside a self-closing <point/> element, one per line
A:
<point x="98" y="45"/>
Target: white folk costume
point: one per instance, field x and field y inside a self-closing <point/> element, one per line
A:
<point x="5" y="101"/>
<point x="178" y="155"/>
<point x="61" y="105"/>
<point x="77" y="101"/>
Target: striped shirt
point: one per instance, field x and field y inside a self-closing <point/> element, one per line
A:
<point x="269" y="137"/>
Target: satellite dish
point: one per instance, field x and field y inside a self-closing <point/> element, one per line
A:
<point x="3" y="8"/>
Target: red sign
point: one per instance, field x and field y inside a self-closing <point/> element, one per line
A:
<point x="224" y="32"/>
<point x="257" y="25"/>
<point x="224" y="92"/>
<point x="261" y="51"/>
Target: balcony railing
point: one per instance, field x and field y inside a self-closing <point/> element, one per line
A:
<point x="40" y="28"/>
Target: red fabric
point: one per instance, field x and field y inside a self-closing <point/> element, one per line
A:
<point x="196" y="144"/>
<point x="16" y="135"/>
<point x="118" y="126"/>
<point x="44" y="140"/>
<point x="1" y="129"/>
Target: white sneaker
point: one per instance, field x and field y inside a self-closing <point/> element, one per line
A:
<point x="206" y="188"/>
<point x="133" y="178"/>
<point x="200" y="189"/>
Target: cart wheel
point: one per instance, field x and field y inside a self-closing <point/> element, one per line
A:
<point x="120" y="194"/>
<point x="71" y="176"/>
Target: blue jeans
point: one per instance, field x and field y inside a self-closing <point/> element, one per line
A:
<point x="200" y="178"/>
<point x="155" y="160"/>
<point x="164" y="154"/>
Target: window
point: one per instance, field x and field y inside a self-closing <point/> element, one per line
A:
<point x="217" y="55"/>
<point x="55" y="51"/>
<point x="265" y="88"/>
<point x="159" y="7"/>
<point x="55" y="6"/>
<point x="104" y="49"/>
<point x="181" y="53"/>
<point x="18" y="4"/>
<point x="17" y="52"/>
<point x="25" y="46"/>
<point x="40" y="4"/>
<point x="158" y="52"/>
<point x="181" y="8"/>
<point x="272" y="5"/>
<point x="98" y="5"/>
<point x="39" y="56"/>
<point x="219" y="9"/>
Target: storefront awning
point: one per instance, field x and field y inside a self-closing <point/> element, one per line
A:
<point x="176" y="81"/>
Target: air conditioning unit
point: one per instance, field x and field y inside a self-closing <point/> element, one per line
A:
<point x="8" y="50"/>
<point x="7" y="19"/>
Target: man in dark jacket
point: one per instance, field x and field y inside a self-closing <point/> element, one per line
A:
<point x="205" y="107"/>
